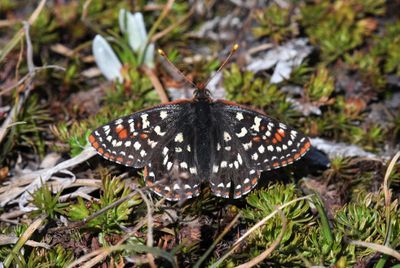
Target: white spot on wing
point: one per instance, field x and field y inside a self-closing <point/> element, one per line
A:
<point x="179" y="137"/>
<point x="239" y="116"/>
<point x="261" y="149"/>
<point x="146" y="123"/>
<point x="158" y="131"/>
<point x="224" y="164"/>
<point x="163" y="114"/>
<point x="128" y="143"/>
<point x="256" y="126"/>
<point x="242" y="133"/>
<point x="137" y="145"/>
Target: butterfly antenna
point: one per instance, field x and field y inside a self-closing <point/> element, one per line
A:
<point x="233" y="50"/>
<point x="164" y="55"/>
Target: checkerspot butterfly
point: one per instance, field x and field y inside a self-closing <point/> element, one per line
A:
<point x="183" y="143"/>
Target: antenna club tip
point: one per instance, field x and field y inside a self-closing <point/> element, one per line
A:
<point x="235" y="47"/>
<point x="161" y="52"/>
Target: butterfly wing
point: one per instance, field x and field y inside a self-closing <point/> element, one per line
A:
<point x="250" y="142"/>
<point x="132" y="140"/>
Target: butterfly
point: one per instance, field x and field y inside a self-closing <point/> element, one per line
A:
<point x="183" y="143"/>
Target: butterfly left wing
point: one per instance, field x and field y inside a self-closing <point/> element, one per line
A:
<point x="131" y="140"/>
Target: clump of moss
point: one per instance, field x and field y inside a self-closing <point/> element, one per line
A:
<point x="351" y="21"/>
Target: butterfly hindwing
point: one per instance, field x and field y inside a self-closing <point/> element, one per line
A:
<point x="173" y="172"/>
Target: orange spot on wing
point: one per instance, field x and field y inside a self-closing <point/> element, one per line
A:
<point x="254" y="181"/>
<point x="238" y="193"/>
<point x="120" y="158"/>
<point x="92" y="139"/>
<point x="297" y="156"/>
<point x="189" y="193"/>
<point x="100" y="150"/>
<point x="274" y="141"/>
<point x="95" y="145"/>
<point x="145" y="172"/>
<point x="290" y="160"/>
<point x="284" y="162"/>
<point x="123" y="134"/>
<point x="278" y="137"/>
<point x="276" y="164"/>
<point x="107" y="155"/>
<point x="144" y="136"/>
<point x="256" y="138"/>
<point x="248" y="187"/>
<point x="281" y="132"/>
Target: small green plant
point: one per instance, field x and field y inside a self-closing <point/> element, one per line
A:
<point x="113" y="190"/>
<point x="320" y="87"/>
<point x="46" y="202"/>
<point x="56" y="257"/>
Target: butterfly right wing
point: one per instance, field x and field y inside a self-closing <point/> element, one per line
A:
<point x="132" y="140"/>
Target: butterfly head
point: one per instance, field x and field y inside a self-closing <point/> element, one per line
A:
<point x="201" y="93"/>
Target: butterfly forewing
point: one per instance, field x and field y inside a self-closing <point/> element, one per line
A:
<point x="132" y="140"/>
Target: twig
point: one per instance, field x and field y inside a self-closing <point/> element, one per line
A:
<point x="30" y="75"/>
<point x="156" y="83"/>
<point x="150" y="224"/>
<point x="216" y="241"/>
<point x="388" y="197"/>
<point x="270" y="249"/>
<point x="7" y="240"/>
<point x="172" y="26"/>
<point x="24" y="95"/>
<point x="380" y="248"/>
